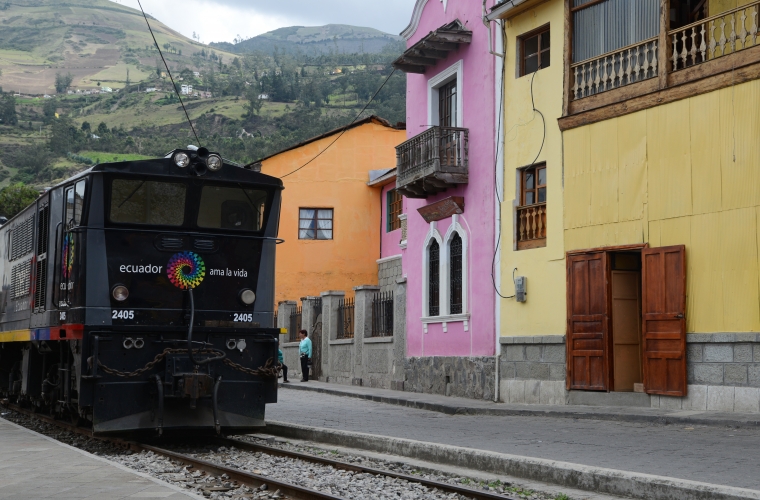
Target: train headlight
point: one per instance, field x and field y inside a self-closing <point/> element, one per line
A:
<point x="214" y="162"/>
<point x="247" y="296"/>
<point x="181" y="159"/>
<point x="120" y="293"/>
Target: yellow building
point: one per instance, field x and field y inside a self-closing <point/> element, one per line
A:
<point x="660" y="167"/>
<point x="330" y="218"/>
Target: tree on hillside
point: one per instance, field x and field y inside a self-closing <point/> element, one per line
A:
<point x="15" y="198"/>
<point x="102" y="129"/>
<point x="65" y="136"/>
<point x="48" y="109"/>
<point x="63" y="82"/>
<point x="86" y="126"/>
<point x="8" y="110"/>
<point x="254" y="103"/>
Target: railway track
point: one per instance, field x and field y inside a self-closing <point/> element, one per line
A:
<point x="256" y="481"/>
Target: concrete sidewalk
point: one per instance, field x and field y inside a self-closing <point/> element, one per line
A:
<point x="34" y="466"/>
<point x="463" y="406"/>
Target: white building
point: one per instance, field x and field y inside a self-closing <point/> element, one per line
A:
<point x="106" y="89"/>
<point x="186" y="89"/>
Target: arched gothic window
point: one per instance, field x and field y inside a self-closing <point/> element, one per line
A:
<point x="434" y="285"/>
<point x="455" y="275"/>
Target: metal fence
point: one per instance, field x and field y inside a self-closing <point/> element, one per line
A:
<point x="382" y="315"/>
<point x="316" y="308"/>
<point x="295" y="324"/>
<point x="276" y="313"/>
<point x="346" y="319"/>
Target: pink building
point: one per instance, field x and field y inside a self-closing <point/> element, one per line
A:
<point x="446" y="173"/>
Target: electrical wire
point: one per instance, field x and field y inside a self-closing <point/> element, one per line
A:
<point x="344" y="128"/>
<point x="496" y="165"/>
<point x="174" y="86"/>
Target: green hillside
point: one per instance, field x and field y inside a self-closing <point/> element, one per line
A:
<point x="245" y="106"/>
<point x="96" y="41"/>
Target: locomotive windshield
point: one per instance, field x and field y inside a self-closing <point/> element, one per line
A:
<point x="135" y="201"/>
<point x="232" y="207"/>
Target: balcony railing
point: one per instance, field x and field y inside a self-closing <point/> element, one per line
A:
<point x="531" y="226"/>
<point x="432" y="161"/>
<point x="618" y="68"/>
<point x="715" y="36"/>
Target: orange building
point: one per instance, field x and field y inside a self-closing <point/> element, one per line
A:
<point x="331" y="218"/>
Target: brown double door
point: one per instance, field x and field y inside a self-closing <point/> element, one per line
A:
<point x="625" y="320"/>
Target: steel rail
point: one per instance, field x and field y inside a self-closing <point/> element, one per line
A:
<point x="337" y="464"/>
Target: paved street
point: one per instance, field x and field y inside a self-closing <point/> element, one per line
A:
<point x="699" y="453"/>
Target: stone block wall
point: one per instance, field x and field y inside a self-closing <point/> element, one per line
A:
<point x="388" y="271"/>
<point x="532" y="370"/>
<point x="723" y="373"/>
<point x="469" y="377"/>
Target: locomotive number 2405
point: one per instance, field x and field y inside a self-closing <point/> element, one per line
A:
<point x="243" y="317"/>
<point x="122" y="314"/>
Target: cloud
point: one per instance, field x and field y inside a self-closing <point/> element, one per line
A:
<point x="223" y="20"/>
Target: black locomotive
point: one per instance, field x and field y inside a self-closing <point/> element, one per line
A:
<point x="139" y="295"/>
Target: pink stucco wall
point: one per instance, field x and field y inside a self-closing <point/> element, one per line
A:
<point x="478" y="114"/>
<point x="388" y="240"/>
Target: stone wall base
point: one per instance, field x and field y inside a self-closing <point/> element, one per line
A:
<point x="538" y="392"/>
<point x="713" y="398"/>
<point x="468" y="377"/>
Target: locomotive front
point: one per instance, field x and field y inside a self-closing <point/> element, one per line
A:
<point x="164" y="291"/>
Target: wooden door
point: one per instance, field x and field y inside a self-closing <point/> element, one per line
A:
<point x="663" y="321"/>
<point x="587" y="322"/>
<point x="626" y="329"/>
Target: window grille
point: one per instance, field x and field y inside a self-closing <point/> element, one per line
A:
<point x="455" y="303"/>
<point x="22" y="238"/>
<point x="315" y="224"/>
<point x="21" y="275"/>
<point x="295" y="324"/>
<point x="346" y="319"/>
<point x="434" y="308"/>
<point x="42" y="231"/>
<point x="395" y="206"/>
<point x="382" y="315"/>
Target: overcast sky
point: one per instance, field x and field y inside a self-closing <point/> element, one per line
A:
<point x="223" y="20"/>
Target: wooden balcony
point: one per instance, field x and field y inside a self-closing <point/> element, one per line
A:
<point x="432" y="161"/>
<point x="720" y="48"/>
<point x="531" y="226"/>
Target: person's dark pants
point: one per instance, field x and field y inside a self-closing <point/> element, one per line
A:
<point x="284" y="372"/>
<point x="305" y="368"/>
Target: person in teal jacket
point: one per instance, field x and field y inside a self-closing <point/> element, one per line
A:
<point x="304" y="348"/>
<point x="283" y="366"/>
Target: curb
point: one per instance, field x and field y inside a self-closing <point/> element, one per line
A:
<point x="528" y="412"/>
<point x="582" y="477"/>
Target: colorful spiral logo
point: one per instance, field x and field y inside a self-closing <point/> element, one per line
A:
<point x="186" y="270"/>
<point x="68" y="255"/>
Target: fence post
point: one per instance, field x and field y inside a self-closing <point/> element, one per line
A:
<point x="398" y="372"/>
<point x="330" y="300"/>
<point x="284" y="309"/>
<point x="362" y="327"/>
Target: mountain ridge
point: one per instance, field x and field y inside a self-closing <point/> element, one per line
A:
<point x="316" y="40"/>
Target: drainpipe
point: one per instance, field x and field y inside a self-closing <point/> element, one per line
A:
<point x="499" y="177"/>
<point x="487" y="24"/>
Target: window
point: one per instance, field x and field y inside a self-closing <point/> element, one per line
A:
<point x="447" y="104"/>
<point x="531" y="214"/>
<point x="74" y="204"/>
<point x="434" y="251"/>
<point x="533" y="185"/>
<point x="534" y="51"/>
<point x="395" y="203"/>
<point x="232" y="207"/>
<point x="147" y="202"/>
<point x="315" y="224"/>
<point x="455" y="275"/>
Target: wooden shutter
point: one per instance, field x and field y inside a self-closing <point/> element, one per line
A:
<point x="663" y="321"/>
<point x="587" y="322"/>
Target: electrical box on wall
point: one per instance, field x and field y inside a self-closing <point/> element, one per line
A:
<point x="521" y="291"/>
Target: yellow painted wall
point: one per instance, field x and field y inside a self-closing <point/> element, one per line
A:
<point x="544" y="312"/>
<point x="338" y="180"/>
<point x="715" y="7"/>
<point x="686" y="173"/>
